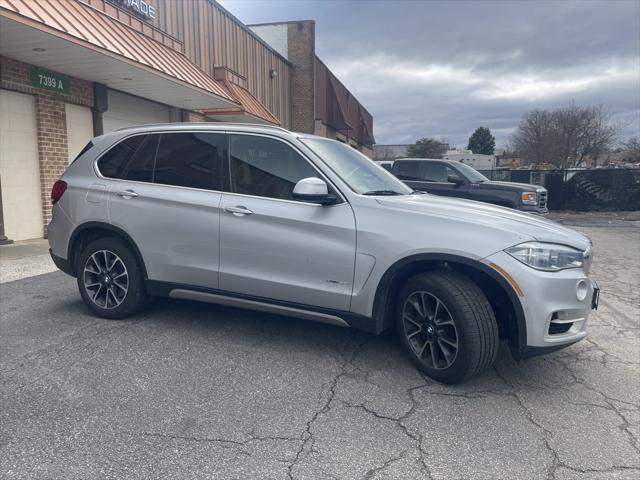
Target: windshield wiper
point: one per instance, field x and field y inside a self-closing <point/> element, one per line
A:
<point x="382" y="192"/>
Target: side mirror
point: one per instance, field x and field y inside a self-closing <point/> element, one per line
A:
<point x="313" y="190"/>
<point x="455" y="179"/>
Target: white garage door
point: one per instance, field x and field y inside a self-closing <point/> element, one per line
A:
<point x="127" y="110"/>
<point x="79" y="128"/>
<point x="19" y="166"/>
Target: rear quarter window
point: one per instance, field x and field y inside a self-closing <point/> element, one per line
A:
<point x="86" y="148"/>
<point x="131" y="159"/>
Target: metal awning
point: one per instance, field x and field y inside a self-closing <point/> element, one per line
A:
<point x="77" y="40"/>
<point x="249" y="110"/>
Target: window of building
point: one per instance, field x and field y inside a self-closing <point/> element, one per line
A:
<point x="408" y="171"/>
<point x="131" y="159"/>
<point x="190" y="160"/>
<point x="265" y="167"/>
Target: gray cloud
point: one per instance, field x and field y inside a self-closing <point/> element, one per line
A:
<point x="427" y="68"/>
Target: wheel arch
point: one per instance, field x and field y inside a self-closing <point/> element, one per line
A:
<point x="89" y="231"/>
<point x="503" y="298"/>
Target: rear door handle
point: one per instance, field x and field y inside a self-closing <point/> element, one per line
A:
<point x="126" y="194"/>
<point x="238" y="210"/>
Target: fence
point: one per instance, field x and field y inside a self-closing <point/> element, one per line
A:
<point x="584" y="190"/>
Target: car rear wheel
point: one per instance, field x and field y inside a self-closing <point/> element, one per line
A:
<point x="447" y="325"/>
<point x="110" y="280"/>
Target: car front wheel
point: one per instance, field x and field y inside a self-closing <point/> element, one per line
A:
<point x="447" y="325"/>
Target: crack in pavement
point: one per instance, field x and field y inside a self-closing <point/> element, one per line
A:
<point x="625" y="425"/>
<point x="307" y="434"/>
<point x="546" y="434"/>
<point x="371" y="473"/>
<point x="226" y="443"/>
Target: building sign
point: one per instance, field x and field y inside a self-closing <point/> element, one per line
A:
<point x="47" y="80"/>
<point x="141" y="7"/>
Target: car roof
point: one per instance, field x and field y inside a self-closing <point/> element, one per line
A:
<point x="211" y="126"/>
<point x="425" y="160"/>
<point x="151" y="127"/>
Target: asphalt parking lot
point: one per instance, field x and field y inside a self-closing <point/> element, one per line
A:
<point x="198" y="391"/>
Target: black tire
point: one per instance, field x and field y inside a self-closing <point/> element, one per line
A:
<point x="131" y="294"/>
<point x="472" y="326"/>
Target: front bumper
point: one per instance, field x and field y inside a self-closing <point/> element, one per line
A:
<point x="534" y="209"/>
<point x="556" y="305"/>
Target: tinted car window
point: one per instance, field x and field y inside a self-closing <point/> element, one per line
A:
<point x="435" y="172"/>
<point x="407" y="170"/>
<point x="265" y="167"/>
<point x="140" y="166"/>
<point x="86" y="148"/>
<point x="190" y="160"/>
<point x="113" y="163"/>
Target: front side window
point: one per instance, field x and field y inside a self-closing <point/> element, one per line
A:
<point x="470" y="173"/>
<point x="435" y="172"/>
<point x="265" y="167"/>
<point x="190" y="160"/>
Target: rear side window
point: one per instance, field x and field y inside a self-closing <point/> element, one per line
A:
<point x="131" y="159"/>
<point x="407" y="170"/>
<point x="190" y="160"/>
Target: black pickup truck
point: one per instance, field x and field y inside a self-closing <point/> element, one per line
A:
<point x="455" y="179"/>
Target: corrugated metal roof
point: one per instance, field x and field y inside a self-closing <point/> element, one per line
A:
<point x="249" y="104"/>
<point x="338" y="108"/>
<point x="84" y="23"/>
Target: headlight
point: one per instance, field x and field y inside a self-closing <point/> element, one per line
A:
<point x="529" y="198"/>
<point x="547" y="256"/>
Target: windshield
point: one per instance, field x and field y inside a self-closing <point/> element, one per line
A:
<point x="471" y="173"/>
<point x="359" y="172"/>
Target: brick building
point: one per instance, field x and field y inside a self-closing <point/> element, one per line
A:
<point x="89" y="67"/>
<point x="324" y="105"/>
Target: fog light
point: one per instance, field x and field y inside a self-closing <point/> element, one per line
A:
<point x="582" y="290"/>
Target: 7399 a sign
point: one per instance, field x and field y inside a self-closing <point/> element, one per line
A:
<point x="47" y="80"/>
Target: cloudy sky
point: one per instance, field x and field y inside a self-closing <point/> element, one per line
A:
<point x="441" y="69"/>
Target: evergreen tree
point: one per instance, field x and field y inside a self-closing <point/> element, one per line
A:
<point x="482" y="141"/>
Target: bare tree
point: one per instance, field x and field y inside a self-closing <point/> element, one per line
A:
<point x="567" y="136"/>
<point x="534" y="137"/>
<point x="632" y="147"/>
<point x="582" y="133"/>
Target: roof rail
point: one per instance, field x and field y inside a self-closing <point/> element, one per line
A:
<point x="239" y="124"/>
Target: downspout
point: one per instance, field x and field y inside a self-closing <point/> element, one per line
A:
<point x="100" y="105"/>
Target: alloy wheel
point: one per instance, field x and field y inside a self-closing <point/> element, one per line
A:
<point x="430" y="330"/>
<point x="106" y="279"/>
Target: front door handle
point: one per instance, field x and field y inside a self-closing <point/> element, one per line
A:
<point x="126" y="194"/>
<point x="238" y="210"/>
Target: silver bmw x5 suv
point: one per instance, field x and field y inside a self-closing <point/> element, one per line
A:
<point x="294" y="224"/>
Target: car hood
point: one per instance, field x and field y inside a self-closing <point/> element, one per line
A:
<point x="512" y="186"/>
<point x="500" y="218"/>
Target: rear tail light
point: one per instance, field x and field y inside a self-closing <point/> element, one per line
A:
<point x="58" y="189"/>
